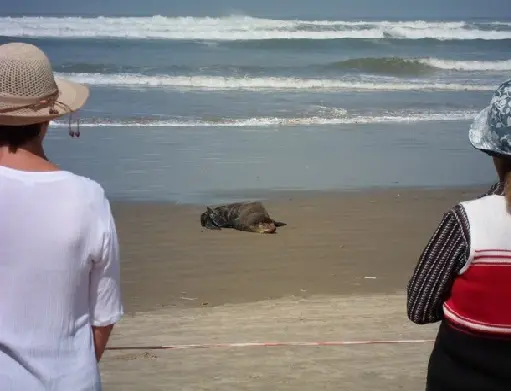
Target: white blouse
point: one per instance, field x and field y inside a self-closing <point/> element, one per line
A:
<point x="59" y="274"/>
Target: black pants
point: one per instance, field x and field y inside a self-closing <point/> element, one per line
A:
<point x="467" y="362"/>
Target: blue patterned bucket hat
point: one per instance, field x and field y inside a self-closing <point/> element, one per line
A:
<point x="491" y="129"/>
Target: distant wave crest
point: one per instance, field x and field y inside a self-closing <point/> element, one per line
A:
<point x="236" y="28"/>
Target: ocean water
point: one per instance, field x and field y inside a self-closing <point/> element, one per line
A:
<point x="210" y="104"/>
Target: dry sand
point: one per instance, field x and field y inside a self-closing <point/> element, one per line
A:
<point x="186" y="285"/>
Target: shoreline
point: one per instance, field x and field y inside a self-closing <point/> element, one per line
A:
<point x="277" y="195"/>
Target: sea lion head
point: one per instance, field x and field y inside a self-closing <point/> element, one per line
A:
<point x="266" y="227"/>
<point x="262" y="225"/>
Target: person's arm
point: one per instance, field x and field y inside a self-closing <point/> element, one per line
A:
<point x="440" y="262"/>
<point x="105" y="295"/>
<point x="101" y="337"/>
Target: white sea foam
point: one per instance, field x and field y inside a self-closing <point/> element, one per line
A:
<point x="504" y="24"/>
<point x="504" y="65"/>
<point x="280" y="122"/>
<point x="219" y="83"/>
<point x="239" y="28"/>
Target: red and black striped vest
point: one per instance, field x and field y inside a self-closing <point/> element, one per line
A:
<point x="480" y="298"/>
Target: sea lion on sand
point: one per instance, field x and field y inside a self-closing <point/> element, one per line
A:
<point x="242" y="216"/>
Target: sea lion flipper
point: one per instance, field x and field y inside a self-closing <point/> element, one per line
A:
<point x="279" y="223"/>
<point x="211" y="225"/>
<point x="208" y="223"/>
<point x="207" y="220"/>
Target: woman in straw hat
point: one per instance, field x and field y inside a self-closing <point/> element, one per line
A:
<point x="463" y="277"/>
<point x="59" y="254"/>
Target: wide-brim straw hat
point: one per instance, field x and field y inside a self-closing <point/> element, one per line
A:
<point x="29" y="92"/>
<point x="491" y="130"/>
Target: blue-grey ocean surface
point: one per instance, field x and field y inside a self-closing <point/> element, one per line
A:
<point x="200" y="102"/>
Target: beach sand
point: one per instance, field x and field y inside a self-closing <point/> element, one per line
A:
<point x="337" y="272"/>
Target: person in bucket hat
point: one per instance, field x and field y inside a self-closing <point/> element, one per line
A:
<point x="59" y="251"/>
<point x="491" y="130"/>
<point x="463" y="276"/>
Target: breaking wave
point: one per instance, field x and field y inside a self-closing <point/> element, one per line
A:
<point x="219" y="83"/>
<point x="377" y="65"/>
<point x="396" y="65"/>
<point x="234" y="28"/>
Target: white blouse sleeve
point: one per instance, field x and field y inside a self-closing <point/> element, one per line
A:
<point x="105" y="293"/>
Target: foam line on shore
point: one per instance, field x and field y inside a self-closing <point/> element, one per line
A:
<point x="262" y="122"/>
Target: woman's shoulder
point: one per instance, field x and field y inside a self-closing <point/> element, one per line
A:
<point x="495" y="192"/>
<point x="88" y="187"/>
<point x="89" y="193"/>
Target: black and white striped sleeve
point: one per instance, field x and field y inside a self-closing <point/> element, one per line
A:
<point x="445" y="254"/>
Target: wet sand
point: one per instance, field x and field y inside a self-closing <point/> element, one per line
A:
<point x="337" y="271"/>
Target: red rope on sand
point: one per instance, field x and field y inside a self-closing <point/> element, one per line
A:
<point x="269" y="344"/>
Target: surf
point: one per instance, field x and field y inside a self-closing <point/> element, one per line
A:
<point x="242" y="28"/>
<point x="220" y="83"/>
<point x="341" y="117"/>
<point x="415" y="66"/>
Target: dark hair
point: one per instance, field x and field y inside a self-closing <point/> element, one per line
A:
<point x="504" y="169"/>
<point x="15" y="136"/>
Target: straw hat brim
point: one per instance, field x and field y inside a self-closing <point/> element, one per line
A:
<point x="72" y="97"/>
